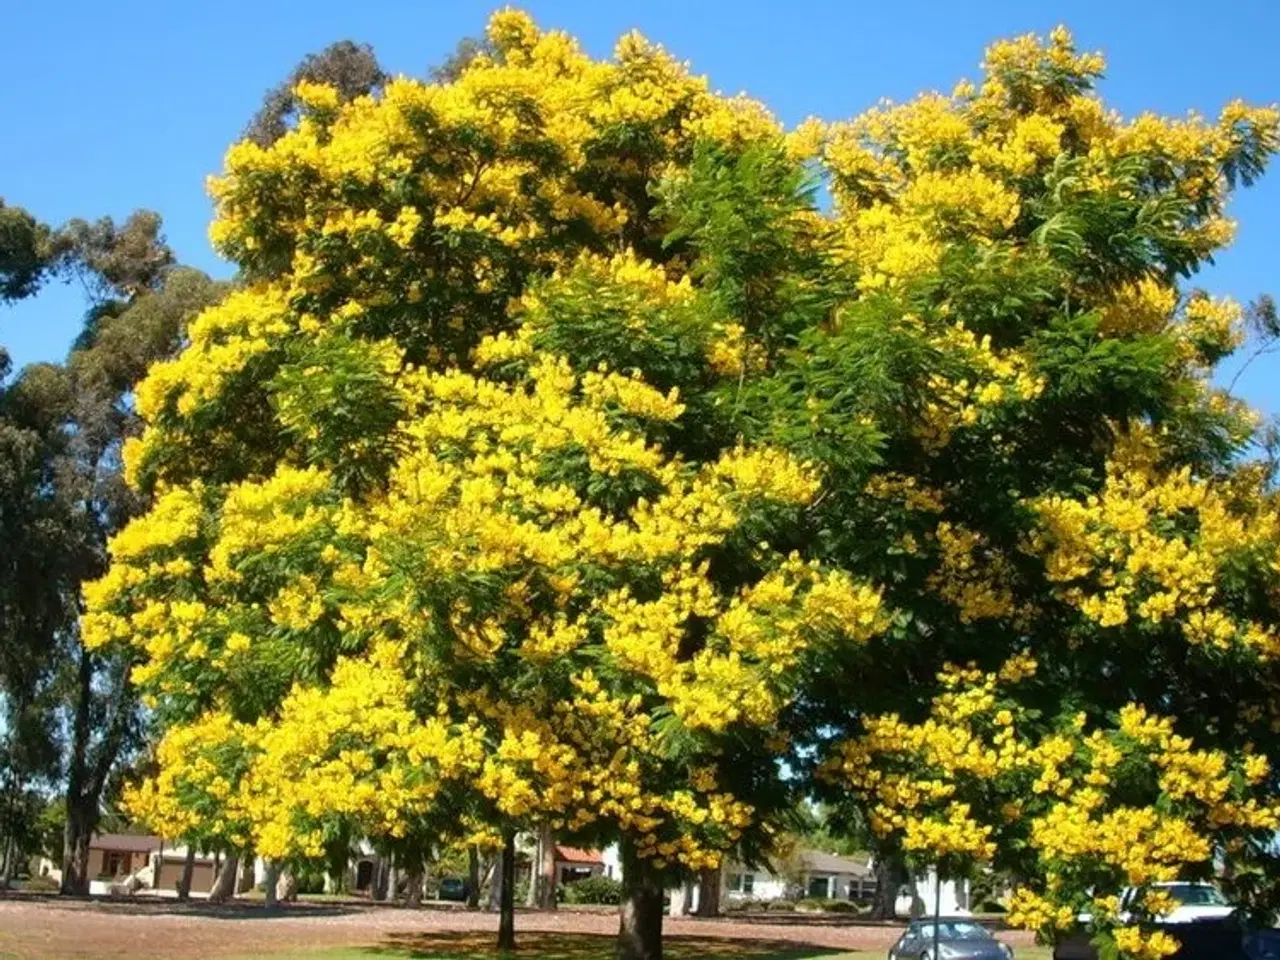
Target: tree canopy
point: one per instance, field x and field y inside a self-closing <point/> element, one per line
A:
<point x="564" y="453"/>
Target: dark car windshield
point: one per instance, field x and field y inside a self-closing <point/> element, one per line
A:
<point x="1195" y="895"/>
<point x="954" y="930"/>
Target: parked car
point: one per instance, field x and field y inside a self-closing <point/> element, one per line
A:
<point x="453" y="888"/>
<point x="956" y="940"/>
<point x="1203" y="940"/>
<point x="1196" y="902"/>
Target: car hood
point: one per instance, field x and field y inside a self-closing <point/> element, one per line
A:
<point x="971" y="950"/>
<point x="1192" y="914"/>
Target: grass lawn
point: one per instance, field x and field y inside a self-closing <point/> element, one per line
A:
<point x="567" y="946"/>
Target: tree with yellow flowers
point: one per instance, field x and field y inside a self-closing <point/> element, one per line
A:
<point x="562" y="459"/>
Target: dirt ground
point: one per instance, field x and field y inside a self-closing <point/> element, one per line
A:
<point x="56" y="929"/>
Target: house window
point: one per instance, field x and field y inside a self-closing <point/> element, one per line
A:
<point x="742" y="882"/>
<point x="574" y="874"/>
<point x="820" y="887"/>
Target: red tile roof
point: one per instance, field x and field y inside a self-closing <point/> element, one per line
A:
<point x="575" y="855"/>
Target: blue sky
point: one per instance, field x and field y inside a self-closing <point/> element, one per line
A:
<point x="113" y="106"/>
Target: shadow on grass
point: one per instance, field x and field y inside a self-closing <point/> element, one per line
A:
<point x="587" y="946"/>
<point x="150" y="905"/>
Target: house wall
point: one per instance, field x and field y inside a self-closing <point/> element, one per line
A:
<point x="764" y="885"/>
<point x="612" y="861"/>
<point x="129" y="861"/>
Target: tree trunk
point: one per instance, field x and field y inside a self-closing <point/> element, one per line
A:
<point x="413" y="887"/>
<point x="393" y="880"/>
<point x="889" y="875"/>
<point x="507" y="895"/>
<point x="188" y="868"/>
<point x="273" y="878"/>
<point x="287" y="887"/>
<point x="473" y="877"/>
<point x="546" y="867"/>
<point x="640" y="916"/>
<point x="75" y="849"/>
<point x="495" y="885"/>
<point x="531" y="893"/>
<point x="87" y="770"/>
<point x="682" y="903"/>
<point x="224" y="888"/>
<point x="709" y="891"/>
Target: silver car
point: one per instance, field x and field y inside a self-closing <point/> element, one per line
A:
<point x="957" y="940"/>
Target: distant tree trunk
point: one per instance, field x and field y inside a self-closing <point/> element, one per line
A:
<point x="188" y="868"/>
<point x="273" y="878"/>
<point x="413" y="886"/>
<point x="287" y="886"/>
<point x="546" y="867"/>
<point x="640" y="915"/>
<point x="7" y="871"/>
<point x="531" y="893"/>
<point x="393" y="880"/>
<point x="473" y="877"/>
<point x="890" y="872"/>
<point x="87" y="769"/>
<point x="495" y="885"/>
<point x="507" y="894"/>
<point x="224" y="888"/>
<point x="709" y="891"/>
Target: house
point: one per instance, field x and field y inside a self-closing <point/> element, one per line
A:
<point x="112" y="856"/>
<point x="808" y="873"/>
<point x="115" y="857"/>
<point x="574" y="864"/>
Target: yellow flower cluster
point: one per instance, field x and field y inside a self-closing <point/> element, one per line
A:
<point x="973" y="578"/>
<point x="1128" y="804"/>
<point x="1129" y="554"/>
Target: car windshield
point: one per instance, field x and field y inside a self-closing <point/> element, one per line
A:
<point x="954" y="930"/>
<point x="1196" y="895"/>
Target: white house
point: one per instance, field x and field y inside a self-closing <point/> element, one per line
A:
<point x="810" y="873"/>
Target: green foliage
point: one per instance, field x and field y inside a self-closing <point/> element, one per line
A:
<point x="66" y="712"/>
<point x="351" y="68"/>
<point x="744" y="217"/>
<point x="25" y="253"/>
<point x="593" y="890"/>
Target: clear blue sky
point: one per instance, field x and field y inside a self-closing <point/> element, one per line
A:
<point x="112" y="106"/>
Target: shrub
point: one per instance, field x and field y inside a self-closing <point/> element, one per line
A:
<point x="992" y="906"/>
<point x="41" y="885"/>
<point x="780" y="905"/>
<point x="310" y="880"/>
<point x="593" y="890"/>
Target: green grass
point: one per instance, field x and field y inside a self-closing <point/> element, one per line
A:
<point x="569" y="946"/>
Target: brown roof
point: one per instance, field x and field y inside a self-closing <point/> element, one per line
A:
<point x="576" y="855"/>
<point x="125" y="842"/>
